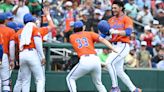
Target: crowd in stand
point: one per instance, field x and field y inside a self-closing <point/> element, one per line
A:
<point x="147" y="39"/>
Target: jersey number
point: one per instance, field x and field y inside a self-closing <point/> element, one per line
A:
<point x="82" y="42"/>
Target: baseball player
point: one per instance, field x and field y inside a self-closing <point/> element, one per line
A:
<point x="43" y="31"/>
<point x="4" y="67"/>
<point x="30" y="54"/>
<point x="121" y="28"/>
<point x="1" y="52"/>
<point x="83" y="44"/>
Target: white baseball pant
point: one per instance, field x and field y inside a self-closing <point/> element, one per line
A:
<point x="87" y="64"/>
<point x="30" y="63"/>
<point x="115" y="63"/>
<point x="5" y="73"/>
<point x="18" y="83"/>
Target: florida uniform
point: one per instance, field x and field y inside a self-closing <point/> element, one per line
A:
<point x="83" y="44"/>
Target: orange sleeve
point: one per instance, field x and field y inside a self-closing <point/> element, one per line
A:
<point x="128" y="23"/>
<point x="1" y="38"/>
<point x="94" y="36"/>
<point x="43" y="31"/>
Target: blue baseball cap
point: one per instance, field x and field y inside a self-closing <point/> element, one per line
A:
<point x="78" y="24"/>
<point x="29" y="18"/>
<point x="9" y="15"/>
<point x="2" y="17"/>
<point x="12" y="25"/>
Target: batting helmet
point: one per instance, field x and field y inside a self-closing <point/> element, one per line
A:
<point x="12" y="25"/>
<point x="104" y="27"/>
<point x="29" y="18"/>
<point x="78" y="24"/>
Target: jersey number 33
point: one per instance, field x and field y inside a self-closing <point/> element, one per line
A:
<point x="82" y="42"/>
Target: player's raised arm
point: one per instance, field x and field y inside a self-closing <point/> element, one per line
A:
<point x="49" y="19"/>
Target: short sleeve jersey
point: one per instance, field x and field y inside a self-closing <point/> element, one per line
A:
<point x="7" y="34"/>
<point x="83" y="42"/>
<point x="121" y="23"/>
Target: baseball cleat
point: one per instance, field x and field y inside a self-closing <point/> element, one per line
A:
<point x="137" y="90"/>
<point x="115" y="89"/>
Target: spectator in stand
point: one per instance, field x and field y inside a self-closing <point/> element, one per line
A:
<point x="141" y="3"/>
<point x="108" y="14"/>
<point x="69" y="16"/>
<point x="145" y="16"/>
<point x="88" y="5"/>
<point x="131" y="59"/>
<point x="86" y="21"/>
<point x="103" y="56"/>
<point x="160" y="64"/>
<point x="162" y="36"/>
<point x="155" y="27"/>
<point x="35" y="7"/>
<point x="134" y="42"/>
<point x="19" y="11"/>
<point x="148" y="37"/>
<point x="144" y="57"/>
<point x="69" y="32"/>
<point x="157" y="57"/>
<point x="6" y="6"/>
<point x="98" y="5"/>
<point x="156" y="48"/>
<point x="95" y="20"/>
<point x="131" y="9"/>
<point x="160" y="16"/>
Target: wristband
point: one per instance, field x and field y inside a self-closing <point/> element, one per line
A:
<point x="48" y="17"/>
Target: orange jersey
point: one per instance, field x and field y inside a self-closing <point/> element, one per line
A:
<point x="83" y="42"/>
<point x="17" y="37"/>
<point x="7" y="34"/>
<point x="120" y="24"/>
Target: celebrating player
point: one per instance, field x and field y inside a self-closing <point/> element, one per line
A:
<point x="43" y="31"/>
<point x="31" y="52"/>
<point x="5" y="69"/>
<point x="83" y="44"/>
<point x="121" y="28"/>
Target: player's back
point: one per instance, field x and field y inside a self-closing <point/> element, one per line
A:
<point x="83" y="42"/>
<point x="7" y="34"/>
<point x="17" y="38"/>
